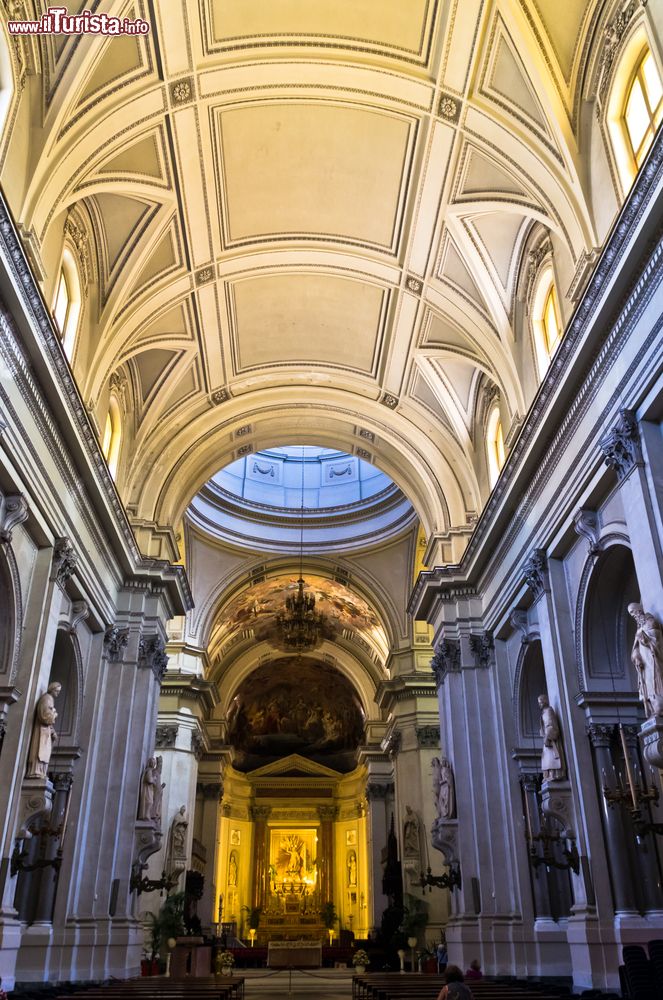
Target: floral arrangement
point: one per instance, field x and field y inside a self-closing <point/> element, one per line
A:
<point x="360" y="958"/>
<point x="226" y="959"/>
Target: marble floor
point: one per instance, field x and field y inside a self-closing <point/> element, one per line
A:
<point x="318" y="984"/>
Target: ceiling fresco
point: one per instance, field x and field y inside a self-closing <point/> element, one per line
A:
<point x="295" y="705"/>
<point x="258" y="606"/>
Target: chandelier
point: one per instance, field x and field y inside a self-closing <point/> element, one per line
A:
<point x="299" y="626"/>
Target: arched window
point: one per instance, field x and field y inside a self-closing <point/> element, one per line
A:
<point x="546" y="320"/>
<point x="67" y="304"/>
<point x="643" y="107"/>
<point x="635" y="105"/>
<point x="495" y="445"/>
<point x="112" y="438"/>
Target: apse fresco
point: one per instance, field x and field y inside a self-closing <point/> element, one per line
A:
<point x="258" y="606"/>
<point x="295" y="705"/>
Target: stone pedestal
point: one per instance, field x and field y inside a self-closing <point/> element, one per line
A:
<point x="651" y="734"/>
<point x="36" y="804"/>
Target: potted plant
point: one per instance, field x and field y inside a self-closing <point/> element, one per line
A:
<point x="224" y="962"/>
<point x="253" y="920"/>
<point x="329" y="918"/>
<point x="360" y="960"/>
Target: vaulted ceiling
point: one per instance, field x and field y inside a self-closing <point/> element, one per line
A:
<point x="305" y="222"/>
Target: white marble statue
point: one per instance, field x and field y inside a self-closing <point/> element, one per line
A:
<point x="647" y="658"/>
<point x="159" y="786"/>
<point x="552" y="756"/>
<point x="147" y="785"/>
<point x="43" y="733"/>
<point x="443" y="786"/>
<point x="411" y="846"/>
<point x="178" y="830"/>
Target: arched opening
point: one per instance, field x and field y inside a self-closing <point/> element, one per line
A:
<point x="546" y="319"/>
<point x="635" y="105"/>
<point x="112" y="438"/>
<point x="615" y="713"/>
<point x="67" y="302"/>
<point x="495" y="445"/>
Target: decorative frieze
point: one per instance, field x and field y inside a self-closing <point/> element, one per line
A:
<point x="151" y="654"/>
<point x="446" y="660"/>
<point x="621" y="448"/>
<point x="536" y="573"/>
<point x="115" y="642"/>
<point x="64" y="561"/>
<point x="428" y="736"/>
<point x="166" y="736"/>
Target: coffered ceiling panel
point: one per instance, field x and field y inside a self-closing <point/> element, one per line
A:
<point x="315" y="170"/>
<point x="307" y="318"/>
<point x="563" y="23"/>
<point x="400" y="27"/>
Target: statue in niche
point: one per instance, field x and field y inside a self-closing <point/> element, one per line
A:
<point x="147" y="786"/>
<point x="232" y="869"/>
<point x="443" y="787"/>
<point x="43" y="733"/>
<point x="411" y="845"/>
<point x="552" y="757"/>
<point x="159" y="786"/>
<point x="178" y="830"/>
<point x="647" y="658"/>
<point x="352" y="868"/>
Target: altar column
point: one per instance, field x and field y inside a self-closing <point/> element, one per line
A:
<point x="260" y="815"/>
<point x="327" y="816"/>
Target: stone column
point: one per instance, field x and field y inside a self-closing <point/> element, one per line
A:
<point x="379" y="796"/>
<point x="260" y="816"/>
<point x="540" y="893"/>
<point x="52" y="842"/>
<point x="645" y="855"/>
<point x="327" y="816"/>
<point x="209" y="803"/>
<point x="617" y="849"/>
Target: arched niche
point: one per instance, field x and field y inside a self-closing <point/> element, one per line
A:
<point x="607" y="629"/>
<point x="10" y="616"/>
<point x="65" y="669"/>
<point x="531" y="684"/>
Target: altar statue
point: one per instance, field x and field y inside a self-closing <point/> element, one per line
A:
<point x="647" y="658"/>
<point x="43" y="733"/>
<point x="552" y="757"/>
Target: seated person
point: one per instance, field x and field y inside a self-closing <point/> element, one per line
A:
<point x="455" y="988"/>
<point x="474" y="971"/>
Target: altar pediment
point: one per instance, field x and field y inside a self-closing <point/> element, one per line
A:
<point x="295" y="766"/>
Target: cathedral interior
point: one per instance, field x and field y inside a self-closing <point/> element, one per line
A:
<point x="331" y="480"/>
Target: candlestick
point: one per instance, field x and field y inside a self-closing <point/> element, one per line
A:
<point x="528" y="818"/>
<point x="629" y="768"/>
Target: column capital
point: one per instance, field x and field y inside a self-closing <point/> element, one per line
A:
<point x="115" y="642"/>
<point x="65" y="560"/>
<point x="428" y="736"/>
<point x="151" y="653"/>
<point x="261" y="813"/>
<point x="482" y="646"/>
<point x="210" y="789"/>
<point x="446" y="660"/>
<point x="379" y="790"/>
<point x="166" y="736"/>
<point x="600" y="733"/>
<point x="621" y="447"/>
<point x="327" y="813"/>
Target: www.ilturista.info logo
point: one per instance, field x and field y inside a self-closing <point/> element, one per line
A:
<point x="57" y="21"/>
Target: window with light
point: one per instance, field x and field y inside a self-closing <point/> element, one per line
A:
<point x="112" y="436"/>
<point x="552" y="327"/>
<point x="547" y="328"/>
<point x="67" y="302"/>
<point x="643" y="107"/>
<point x="495" y="445"/>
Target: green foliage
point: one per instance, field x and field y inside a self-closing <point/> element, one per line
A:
<point x="253" y="919"/>
<point x="328" y="915"/>
<point x="167" y="923"/>
<point x="415" y="916"/>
